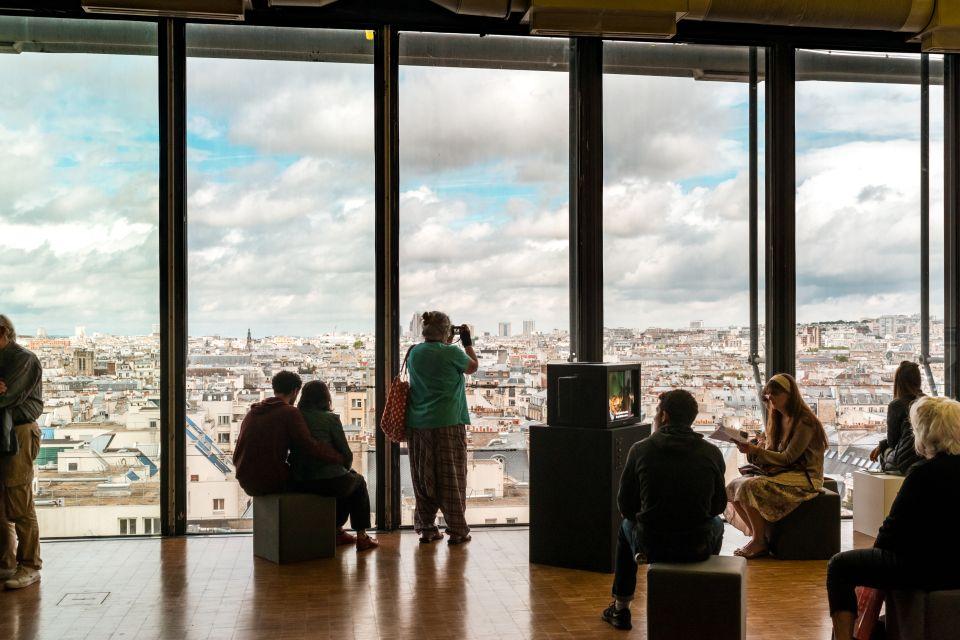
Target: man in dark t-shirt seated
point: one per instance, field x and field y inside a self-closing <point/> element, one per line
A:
<point x="671" y="494"/>
<point x="268" y="432"/>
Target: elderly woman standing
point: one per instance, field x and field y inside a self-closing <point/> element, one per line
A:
<point x="916" y="547"/>
<point x="790" y="463"/>
<point x="436" y="427"/>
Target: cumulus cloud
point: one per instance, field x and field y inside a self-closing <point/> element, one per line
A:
<point x="281" y="197"/>
<point x="79" y="193"/>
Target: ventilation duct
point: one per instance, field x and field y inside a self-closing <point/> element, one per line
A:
<point x="484" y="8"/>
<point x="656" y="19"/>
<point x="299" y="3"/>
<point x="934" y="23"/>
<point x="883" y="15"/>
<point x="942" y="34"/>
<point x="192" y="9"/>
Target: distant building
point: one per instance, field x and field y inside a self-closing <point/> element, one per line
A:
<point x="416" y="324"/>
<point x="808" y="337"/>
<point x="83" y="362"/>
<point x="503" y="330"/>
<point x="529" y="327"/>
<point x="696" y="324"/>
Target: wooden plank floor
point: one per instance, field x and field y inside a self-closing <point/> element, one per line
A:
<point x="213" y="588"/>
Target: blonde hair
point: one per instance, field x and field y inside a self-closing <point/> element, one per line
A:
<point x="936" y="426"/>
<point x="7" y="328"/>
<point x="436" y="325"/>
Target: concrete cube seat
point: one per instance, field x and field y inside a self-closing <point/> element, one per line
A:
<point x="292" y="527"/>
<point x="809" y="532"/>
<point x="697" y="600"/>
<point x="921" y="615"/>
<point x="873" y="495"/>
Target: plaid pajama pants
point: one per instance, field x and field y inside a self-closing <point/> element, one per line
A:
<point x="438" y="464"/>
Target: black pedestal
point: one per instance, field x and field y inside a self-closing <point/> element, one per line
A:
<point x="574" y="478"/>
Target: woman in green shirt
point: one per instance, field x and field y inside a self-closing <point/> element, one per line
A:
<point x="331" y="479"/>
<point x="436" y="427"/>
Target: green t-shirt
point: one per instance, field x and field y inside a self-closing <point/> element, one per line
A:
<point x="437" y="394"/>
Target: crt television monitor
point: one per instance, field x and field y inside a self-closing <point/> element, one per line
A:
<point x="593" y="395"/>
<point x="621" y="397"/>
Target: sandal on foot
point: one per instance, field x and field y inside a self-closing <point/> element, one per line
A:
<point x="750" y="556"/>
<point x="366" y="542"/>
<point x="459" y="539"/>
<point x="432" y="536"/>
<point x="345" y="538"/>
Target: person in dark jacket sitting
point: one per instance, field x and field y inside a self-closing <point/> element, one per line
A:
<point x="916" y="547"/>
<point x="671" y="494"/>
<point x="331" y="479"/>
<point x="896" y="452"/>
<point x="267" y="434"/>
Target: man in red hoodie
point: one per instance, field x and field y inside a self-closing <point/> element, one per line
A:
<point x="269" y="431"/>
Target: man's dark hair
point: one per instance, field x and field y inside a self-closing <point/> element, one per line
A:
<point x="286" y="382"/>
<point x="680" y="406"/>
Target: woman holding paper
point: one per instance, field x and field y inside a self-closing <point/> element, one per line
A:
<point x="786" y="467"/>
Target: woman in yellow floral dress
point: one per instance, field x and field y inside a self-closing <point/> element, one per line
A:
<point x="790" y="456"/>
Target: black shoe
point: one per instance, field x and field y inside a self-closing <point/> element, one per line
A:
<point x="617" y="619"/>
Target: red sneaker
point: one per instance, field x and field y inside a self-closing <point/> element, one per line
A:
<point x="345" y="538"/>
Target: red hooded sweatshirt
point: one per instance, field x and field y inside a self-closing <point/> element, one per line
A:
<point x="267" y="434"/>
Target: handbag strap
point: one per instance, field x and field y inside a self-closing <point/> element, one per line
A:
<point x="403" y="367"/>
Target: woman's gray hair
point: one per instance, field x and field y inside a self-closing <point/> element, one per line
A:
<point x="7" y="326"/>
<point x="436" y="325"/>
<point x="936" y="426"/>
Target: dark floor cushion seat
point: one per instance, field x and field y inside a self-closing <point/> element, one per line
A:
<point x="292" y="527"/>
<point x="697" y="600"/>
<point x="809" y="532"/>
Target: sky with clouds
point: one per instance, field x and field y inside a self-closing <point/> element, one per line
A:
<point x="281" y="198"/>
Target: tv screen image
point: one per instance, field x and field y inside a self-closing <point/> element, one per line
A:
<point x="620" y="390"/>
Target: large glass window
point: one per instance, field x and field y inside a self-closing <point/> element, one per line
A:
<point x="484" y="236"/>
<point x="281" y="240"/>
<point x="858" y="242"/>
<point x="79" y="269"/>
<point x="676" y="225"/>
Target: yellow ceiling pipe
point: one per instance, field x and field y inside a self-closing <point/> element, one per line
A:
<point x="933" y="23"/>
<point x="942" y="34"/>
<point x="909" y="16"/>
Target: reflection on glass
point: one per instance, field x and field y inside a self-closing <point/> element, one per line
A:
<point x="281" y="241"/>
<point x="79" y="264"/>
<point x="483" y="237"/>
<point x="676" y="225"/>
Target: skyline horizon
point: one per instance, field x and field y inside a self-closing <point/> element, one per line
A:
<point x="491" y="332"/>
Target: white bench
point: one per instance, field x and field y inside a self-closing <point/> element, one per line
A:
<point x="873" y="495"/>
<point x="292" y="527"/>
<point x="697" y="600"/>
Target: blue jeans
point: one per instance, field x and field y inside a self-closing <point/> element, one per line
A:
<point x="683" y="547"/>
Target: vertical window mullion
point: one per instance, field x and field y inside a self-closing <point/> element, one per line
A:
<point x="780" y="249"/>
<point x="173" y="275"/>
<point x="387" y="245"/>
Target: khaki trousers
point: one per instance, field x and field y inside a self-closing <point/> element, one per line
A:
<point x="19" y="530"/>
